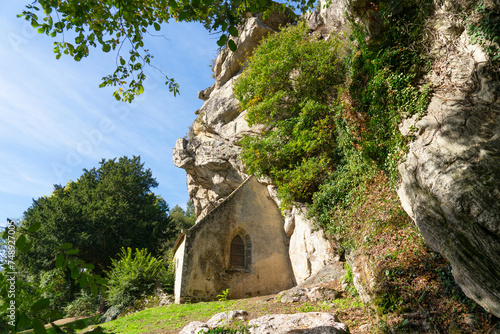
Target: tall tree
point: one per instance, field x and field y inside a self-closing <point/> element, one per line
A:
<point x="107" y="208"/>
<point x="121" y="26"/>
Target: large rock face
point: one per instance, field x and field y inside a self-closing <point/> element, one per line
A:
<point x="211" y="155"/>
<point x="451" y="178"/>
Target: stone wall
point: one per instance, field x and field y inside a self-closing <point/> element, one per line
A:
<point x="204" y="269"/>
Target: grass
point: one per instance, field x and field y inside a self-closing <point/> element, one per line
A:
<point x="172" y="318"/>
<point x="167" y="318"/>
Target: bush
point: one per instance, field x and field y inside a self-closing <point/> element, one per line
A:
<point x="84" y="304"/>
<point x="332" y="117"/>
<point x="290" y="86"/>
<point x="133" y="276"/>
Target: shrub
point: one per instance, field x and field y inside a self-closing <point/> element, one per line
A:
<point x="84" y="304"/>
<point x="134" y="275"/>
<point x="290" y="86"/>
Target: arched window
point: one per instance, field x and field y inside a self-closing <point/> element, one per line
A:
<point x="237" y="252"/>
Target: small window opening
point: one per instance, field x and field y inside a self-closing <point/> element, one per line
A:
<point x="237" y="252"/>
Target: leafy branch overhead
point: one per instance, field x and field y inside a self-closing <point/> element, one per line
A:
<point x="118" y="25"/>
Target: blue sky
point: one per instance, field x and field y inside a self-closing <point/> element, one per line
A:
<point x="55" y="121"/>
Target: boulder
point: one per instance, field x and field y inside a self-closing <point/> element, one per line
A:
<point x="111" y="314"/>
<point x="219" y="320"/>
<point x="195" y="327"/>
<point x="226" y="318"/>
<point x="316" y="288"/>
<point x="310" y="323"/>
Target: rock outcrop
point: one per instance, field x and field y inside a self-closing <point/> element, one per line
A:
<point x="311" y="323"/>
<point x="319" y="287"/>
<point x="211" y="156"/>
<point x="307" y="323"/>
<point x="451" y="178"/>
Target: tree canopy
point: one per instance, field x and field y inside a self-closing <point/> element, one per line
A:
<point x="107" y="208"/>
<point x="121" y="24"/>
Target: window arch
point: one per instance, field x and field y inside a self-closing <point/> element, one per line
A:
<point x="237" y="252"/>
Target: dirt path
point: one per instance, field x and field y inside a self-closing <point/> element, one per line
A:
<point x="65" y="321"/>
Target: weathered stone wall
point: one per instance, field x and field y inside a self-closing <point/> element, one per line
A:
<point x="179" y="251"/>
<point x="206" y="269"/>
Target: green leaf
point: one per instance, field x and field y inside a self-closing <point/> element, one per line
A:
<point x="88" y="266"/>
<point x="75" y="272"/>
<point x="106" y="48"/>
<point x="93" y="289"/>
<point x="140" y="90"/>
<point x="24" y="320"/>
<point x="60" y="260"/>
<point x="21" y="241"/>
<point x="233" y="31"/>
<point x="122" y="61"/>
<point x="38" y="327"/>
<point x="5" y="234"/>
<point x="173" y="4"/>
<point x="27" y="247"/>
<point x="72" y="251"/>
<point x="34" y="227"/>
<point x="232" y="45"/>
<point x="157" y="26"/>
<point x="40" y="304"/>
<point x="102" y="281"/>
<point x="222" y="40"/>
<point x="66" y="246"/>
<point x="83" y="281"/>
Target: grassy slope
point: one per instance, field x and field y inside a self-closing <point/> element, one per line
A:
<point x="171" y="319"/>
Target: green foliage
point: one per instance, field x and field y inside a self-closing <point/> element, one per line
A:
<point x="483" y="27"/>
<point x="168" y="281"/>
<point x="348" y="278"/>
<point x="332" y="117"/>
<point x="228" y="330"/>
<point x="222" y="297"/>
<point x="120" y="26"/>
<point x="341" y="190"/>
<point x="29" y="300"/>
<point x="181" y="219"/>
<point x="84" y="304"/>
<point x="134" y="275"/>
<point x="289" y="86"/>
<point x="56" y="285"/>
<point x="105" y="209"/>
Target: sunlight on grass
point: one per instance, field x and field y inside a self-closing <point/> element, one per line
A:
<point x="165" y="318"/>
